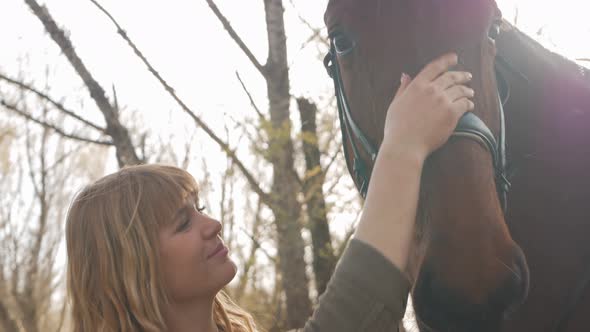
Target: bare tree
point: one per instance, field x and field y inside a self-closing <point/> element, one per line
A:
<point x="285" y="184"/>
<point x="324" y="259"/>
<point x="10" y="183"/>
<point x="35" y="197"/>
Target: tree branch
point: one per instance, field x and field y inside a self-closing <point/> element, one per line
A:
<point x="234" y="35"/>
<point x="258" y="245"/>
<point x="52" y="127"/>
<point x="260" y="115"/>
<point x="58" y="105"/>
<point x="331" y="162"/>
<point x="125" y="151"/>
<point x="266" y="198"/>
<point x="335" y="183"/>
<point x="63" y="158"/>
<point x="316" y="32"/>
<point x="30" y="161"/>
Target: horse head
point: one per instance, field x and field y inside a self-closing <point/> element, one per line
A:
<point x="467" y="271"/>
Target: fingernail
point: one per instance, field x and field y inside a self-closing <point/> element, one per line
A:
<point x="404" y="78"/>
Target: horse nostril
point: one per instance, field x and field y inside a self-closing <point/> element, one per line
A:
<point x="444" y="306"/>
<point x="442" y="309"/>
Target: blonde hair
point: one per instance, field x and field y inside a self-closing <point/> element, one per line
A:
<point x="113" y="277"/>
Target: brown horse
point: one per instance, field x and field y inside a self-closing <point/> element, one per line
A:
<point x="467" y="269"/>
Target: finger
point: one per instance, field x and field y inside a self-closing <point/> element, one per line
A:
<point x="459" y="91"/>
<point x="437" y="67"/>
<point x="404" y="82"/>
<point x="461" y="106"/>
<point x="451" y="78"/>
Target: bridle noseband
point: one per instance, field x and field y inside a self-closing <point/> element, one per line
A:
<point x="469" y="126"/>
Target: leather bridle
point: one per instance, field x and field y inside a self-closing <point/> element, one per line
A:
<point x="470" y="126"/>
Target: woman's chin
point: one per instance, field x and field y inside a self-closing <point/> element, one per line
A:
<point x="229" y="271"/>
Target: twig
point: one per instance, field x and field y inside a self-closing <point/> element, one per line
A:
<point x="260" y="115"/>
<point x="335" y="183"/>
<point x="30" y="161"/>
<point x="258" y="245"/>
<point x="58" y="105"/>
<point x="331" y="162"/>
<point x="187" y="149"/>
<point x="224" y="146"/>
<point x="316" y="31"/>
<point x="311" y="38"/>
<point x="234" y="35"/>
<point x="53" y="127"/>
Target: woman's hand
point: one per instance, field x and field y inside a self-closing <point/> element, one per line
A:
<point x="425" y="110"/>
<point x="421" y="118"/>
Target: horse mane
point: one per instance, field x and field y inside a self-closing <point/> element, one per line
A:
<point x="548" y="131"/>
<point x="548" y="108"/>
<point x="538" y="65"/>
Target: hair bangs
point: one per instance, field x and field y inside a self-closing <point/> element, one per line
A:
<point x="165" y="190"/>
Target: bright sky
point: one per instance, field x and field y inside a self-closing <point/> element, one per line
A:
<point x="184" y="40"/>
<point x="186" y="43"/>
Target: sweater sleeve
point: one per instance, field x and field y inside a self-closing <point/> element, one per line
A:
<point x="366" y="293"/>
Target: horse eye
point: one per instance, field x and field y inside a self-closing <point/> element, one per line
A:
<point x="494" y="31"/>
<point x="343" y="45"/>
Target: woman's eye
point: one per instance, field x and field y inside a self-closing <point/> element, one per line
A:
<point x="343" y="45"/>
<point x="188" y="219"/>
<point x="185" y="224"/>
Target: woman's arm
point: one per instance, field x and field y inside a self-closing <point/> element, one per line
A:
<point x="387" y="221"/>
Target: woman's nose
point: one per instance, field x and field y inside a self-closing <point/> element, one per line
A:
<point x="211" y="228"/>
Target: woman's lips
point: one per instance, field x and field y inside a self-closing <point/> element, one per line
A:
<point x="220" y="250"/>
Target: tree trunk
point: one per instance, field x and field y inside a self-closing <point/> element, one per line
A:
<point x="6" y="322"/>
<point x="324" y="259"/>
<point x="285" y="186"/>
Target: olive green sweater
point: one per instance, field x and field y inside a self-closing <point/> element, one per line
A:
<point x="366" y="293"/>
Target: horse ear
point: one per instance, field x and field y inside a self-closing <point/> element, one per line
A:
<point x="498" y="13"/>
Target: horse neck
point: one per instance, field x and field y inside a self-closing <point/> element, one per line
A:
<point x="548" y="110"/>
<point x="547" y="135"/>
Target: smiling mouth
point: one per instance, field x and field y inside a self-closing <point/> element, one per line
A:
<point x="219" y="250"/>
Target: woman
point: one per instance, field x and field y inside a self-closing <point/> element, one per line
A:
<point x="143" y="257"/>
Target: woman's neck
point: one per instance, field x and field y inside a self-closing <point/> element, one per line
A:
<point x="193" y="316"/>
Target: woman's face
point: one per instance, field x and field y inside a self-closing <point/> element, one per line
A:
<point x="194" y="260"/>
